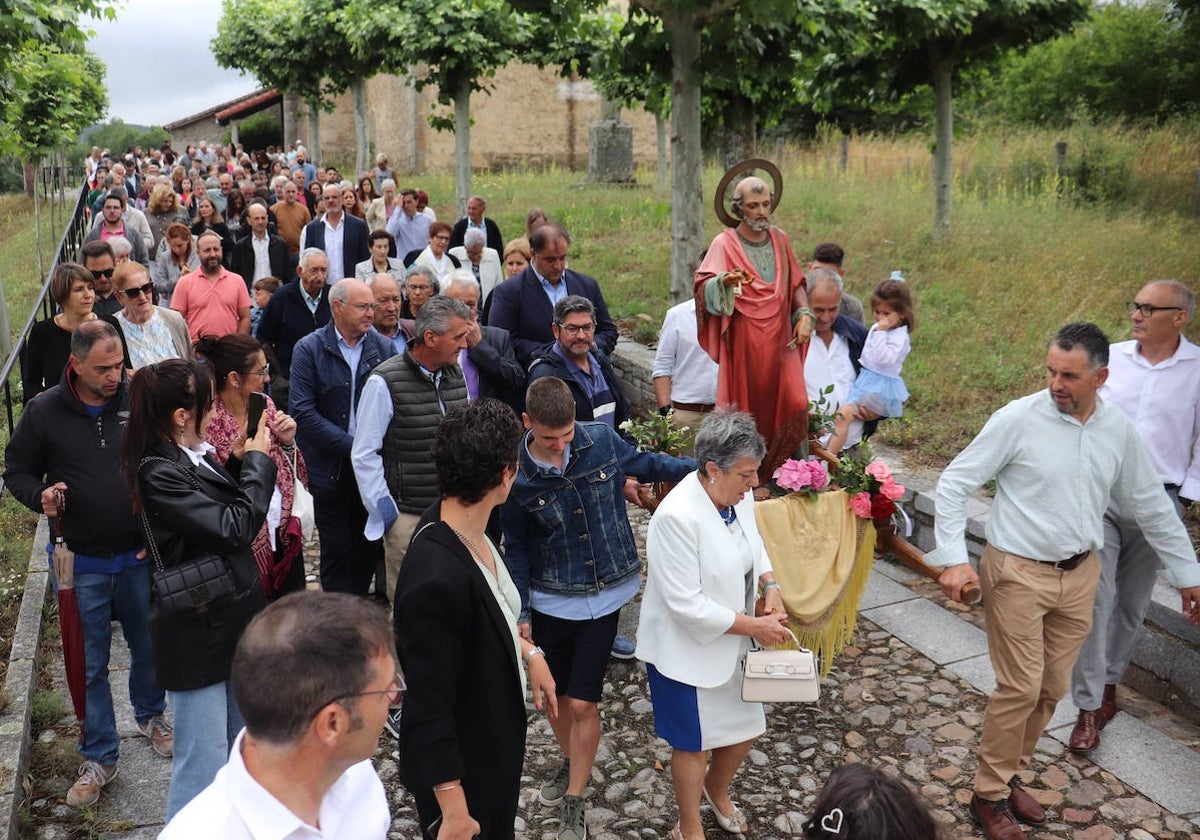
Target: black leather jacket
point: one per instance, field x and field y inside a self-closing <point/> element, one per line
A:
<point x="196" y="650"/>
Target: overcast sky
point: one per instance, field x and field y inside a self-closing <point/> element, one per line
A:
<point x="160" y="68"/>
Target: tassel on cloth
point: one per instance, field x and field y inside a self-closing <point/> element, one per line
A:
<point x="822" y="555"/>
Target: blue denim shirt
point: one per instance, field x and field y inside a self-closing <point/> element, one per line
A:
<point x="569" y="533"/>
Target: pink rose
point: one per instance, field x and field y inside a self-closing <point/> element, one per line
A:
<point x="818" y="475"/>
<point x="890" y="489"/>
<point x="879" y="471"/>
<point x="860" y="503"/>
<point x="792" y="475"/>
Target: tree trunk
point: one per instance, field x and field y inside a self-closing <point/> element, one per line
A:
<point x="687" y="202"/>
<point x="660" y="133"/>
<point x="362" y="147"/>
<point x="314" y="134"/>
<point x="462" y="146"/>
<point x="739" y="130"/>
<point x="943" y="152"/>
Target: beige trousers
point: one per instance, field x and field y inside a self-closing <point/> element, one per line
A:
<point x="395" y="546"/>
<point x="1037" y="620"/>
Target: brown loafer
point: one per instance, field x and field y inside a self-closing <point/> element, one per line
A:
<point x="996" y="819"/>
<point x="1108" y="706"/>
<point x="1024" y="807"/>
<point x="1085" y="737"/>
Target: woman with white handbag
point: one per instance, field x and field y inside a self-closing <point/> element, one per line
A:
<point x="706" y="567"/>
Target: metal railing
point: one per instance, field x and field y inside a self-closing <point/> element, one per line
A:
<point x="53" y="180"/>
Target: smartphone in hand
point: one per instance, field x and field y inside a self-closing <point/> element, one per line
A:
<point x="256" y="404"/>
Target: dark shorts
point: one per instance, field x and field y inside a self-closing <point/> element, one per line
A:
<point x="576" y="651"/>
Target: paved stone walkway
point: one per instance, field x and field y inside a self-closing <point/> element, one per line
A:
<point x="906" y="695"/>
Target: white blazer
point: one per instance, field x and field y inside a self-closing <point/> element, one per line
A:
<point x="695" y="587"/>
<point x="491" y="269"/>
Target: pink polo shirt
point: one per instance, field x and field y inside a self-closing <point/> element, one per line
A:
<point x="210" y="307"/>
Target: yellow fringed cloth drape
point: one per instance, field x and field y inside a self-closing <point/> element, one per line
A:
<point x="822" y="554"/>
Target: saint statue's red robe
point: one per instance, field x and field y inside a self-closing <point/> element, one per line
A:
<point x="758" y="372"/>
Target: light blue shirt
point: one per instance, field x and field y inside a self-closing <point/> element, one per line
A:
<point x="374" y="415"/>
<point x="585" y="606"/>
<point x="352" y="355"/>
<point x="1054" y="476"/>
<point x="555" y="293"/>
<point x="411" y="234"/>
<point x="309" y="301"/>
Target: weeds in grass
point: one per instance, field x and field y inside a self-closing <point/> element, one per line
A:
<point x="45" y="710"/>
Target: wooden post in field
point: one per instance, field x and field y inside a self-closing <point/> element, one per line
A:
<point x="1060" y="158"/>
<point x="908" y="167"/>
<point x="845" y="153"/>
<point x="1196" y="193"/>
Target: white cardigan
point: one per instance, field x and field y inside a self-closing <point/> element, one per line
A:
<point x="695" y="588"/>
<point x="491" y="269"/>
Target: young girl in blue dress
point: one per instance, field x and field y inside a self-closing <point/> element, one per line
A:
<point x="879" y="391"/>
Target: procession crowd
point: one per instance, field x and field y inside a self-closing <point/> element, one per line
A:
<point x="252" y="347"/>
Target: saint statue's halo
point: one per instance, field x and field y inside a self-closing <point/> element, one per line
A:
<point x="751" y="166"/>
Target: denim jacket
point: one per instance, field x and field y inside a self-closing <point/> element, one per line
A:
<point x="569" y="533"/>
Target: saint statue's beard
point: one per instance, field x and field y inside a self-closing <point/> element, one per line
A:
<point x="759" y="225"/>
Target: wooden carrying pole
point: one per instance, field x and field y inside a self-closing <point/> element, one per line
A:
<point x="887" y="540"/>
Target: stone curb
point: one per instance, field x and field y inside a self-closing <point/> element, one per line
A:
<point x="20" y="683"/>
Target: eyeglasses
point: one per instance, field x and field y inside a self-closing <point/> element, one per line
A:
<point x="1147" y="309"/>
<point x="362" y="307"/>
<point x="576" y="329"/>
<point x="107" y="272"/>
<point x="264" y="373"/>
<point x="394" y="693"/>
<point x="134" y="291"/>
<point x="413" y="288"/>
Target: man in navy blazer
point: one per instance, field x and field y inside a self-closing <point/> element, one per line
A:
<point x="295" y="310"/>
<point x="324" y="396"/>
<point x="341" y="236"/>
<point x="524" y="304"/>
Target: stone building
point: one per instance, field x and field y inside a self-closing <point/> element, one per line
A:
<point x="530" y="117"/>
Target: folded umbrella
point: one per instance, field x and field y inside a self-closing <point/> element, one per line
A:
<point x="70" y="625"/>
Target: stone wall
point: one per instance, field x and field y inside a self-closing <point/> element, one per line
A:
<point x="530" y="117"/>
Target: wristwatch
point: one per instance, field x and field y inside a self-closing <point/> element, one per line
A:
<point x="664" y="410"/>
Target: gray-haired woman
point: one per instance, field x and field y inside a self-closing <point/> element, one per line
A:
<point x="706" y="565"/>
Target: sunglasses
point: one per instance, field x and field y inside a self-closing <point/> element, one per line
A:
<point x="134" y="291"/>
<point x="107" y="272"/>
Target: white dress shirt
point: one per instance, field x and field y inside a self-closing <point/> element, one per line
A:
<point x="334" y="247"/>
<point x="236" y="807"/>
<point x="693" y="372"/>
<point x="825" y="366"/>
<point x="1163" y="403"/>
<point x="1054" y="476"/>
<point x="262" y="256"/>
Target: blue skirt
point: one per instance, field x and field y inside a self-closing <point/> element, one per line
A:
<point x="695" y="719"/>
<point x="884" y="395"/>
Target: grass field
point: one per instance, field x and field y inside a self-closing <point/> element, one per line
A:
<point x="1014" y="268"/>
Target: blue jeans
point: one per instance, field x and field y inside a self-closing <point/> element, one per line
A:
<point x="126" y="597"/>
<point x="207" y="721"/>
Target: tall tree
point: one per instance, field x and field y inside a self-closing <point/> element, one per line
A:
<point x="915" y="42"/>
<point x="300" y="47"/>
<point x="55" y="95"/>
<point x="455" y="45"/>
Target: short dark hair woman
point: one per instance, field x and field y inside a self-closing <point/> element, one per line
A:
<point x="462" y="738"/>
<point x="194" y="507"/>
<point x="706" y="562"/>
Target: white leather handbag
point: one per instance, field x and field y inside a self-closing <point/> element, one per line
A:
<point x="780" y="676"/>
